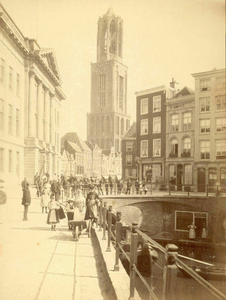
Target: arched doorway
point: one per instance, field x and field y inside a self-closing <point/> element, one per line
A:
<point x="179" y="177"/>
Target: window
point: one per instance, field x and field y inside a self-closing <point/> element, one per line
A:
<point x="144" y="106"/>
<point x="221" y="102"/>
<point x="18" y="163"/>
<point x="186" y="218"/>
<point x="129" y="160"/>
<point x="10" y="78"/>
<point x="144" y="149"/>
<point x="188" y="174"/>
<point x="187" y="145"/>
<point x="174" y="148"/>
<point x="157" y="147"/>
<point x="187" y="121"/>
<point x="58" y="119"/>
<point x="174" y="122"/>
<point x="223" y="176"/>
<point x="221" y="148"/>
<point x="204" y="85"/>
<point x="212" y="176"/>
<point x="1" y="114"/>
<point x="172" y="174"/>
<point x="50" y="134"/>
<point x="10" y="161"/>
<point x="121" y="92"/>
<point x="221" y="124"/>
<point x="129" y="146"/>
<point x="157" y="125"/>
<point x="101" y="89"/>
<point x="205" y="149"/>
<point x="1" y="159"/>
<point x="10" y="125"/>
<point x="204" y="104"/>
<point x="204" y="126"/>
<point x="157" y="103"/>
<point x="144" y="127"/>
<point x="220" y="83"/>
<point x="57" y="142"/>
<point x="2" y="71"/>
<point x="18" y="85"/>
<point x="17" y="122"/>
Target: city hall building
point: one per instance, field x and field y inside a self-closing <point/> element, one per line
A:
<point x="30" y="104"/>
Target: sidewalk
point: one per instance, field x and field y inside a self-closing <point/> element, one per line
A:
<point x="39" y="264"/>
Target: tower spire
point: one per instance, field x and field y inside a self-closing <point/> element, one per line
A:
<point x="109" y="12"/>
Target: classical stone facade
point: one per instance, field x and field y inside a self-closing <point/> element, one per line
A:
<point x="210" y="130"/>
<point x="108" y="119"/>
<point x="30" y="95"/>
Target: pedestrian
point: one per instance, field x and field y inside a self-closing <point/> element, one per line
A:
<point x="99" y="187"/>
<point x="53" y="217"/>
<point x="119" y="187"/>
<point x="128" y="187"/>
<point x="106" y="187"/>
<point x="137" y="186"/>
<point x="26" y="200"/>
<point x="80" y="209"/>
<point x="144" y="187"/>
<point x="92" y="202"/>
<point x="45" y="198"/>
<point x="70" y="212"/>
<point x="111" y="187"/>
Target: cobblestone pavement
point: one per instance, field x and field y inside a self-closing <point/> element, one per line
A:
<point x="39" y="264"/>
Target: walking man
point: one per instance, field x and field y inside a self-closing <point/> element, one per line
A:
<point x="26" y="200"/>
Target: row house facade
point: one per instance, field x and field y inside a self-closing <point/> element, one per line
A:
<point x="210" y="129"/>
<point x="129" y="164"/>
<point x="180" y="138"/>
<point x="30" y="105"/>
<point x="195" y="134"/>
<point x="73" y="158"/>
<point x="89" y="159"/>
<point x="151" y="132"/>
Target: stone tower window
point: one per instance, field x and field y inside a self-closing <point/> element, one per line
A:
<point x="121" y="92"/>
<point x="120" y="40"/>
<point x="113" y="37"/>
<point x="101" y="89"/>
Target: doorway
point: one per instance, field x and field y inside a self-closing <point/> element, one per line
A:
<point x="201" y="179"/>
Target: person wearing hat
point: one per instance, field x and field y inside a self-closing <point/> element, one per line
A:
<point x="92" y="202"/>
<point x="26" y="199"/>
<point x="70" y="212"/>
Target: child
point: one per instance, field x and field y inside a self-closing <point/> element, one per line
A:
<point x="53" y="217"/>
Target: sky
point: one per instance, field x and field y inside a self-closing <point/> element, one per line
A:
<point x="162" y="39"/>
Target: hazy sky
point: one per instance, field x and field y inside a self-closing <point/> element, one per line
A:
<point x="162" y="39"/>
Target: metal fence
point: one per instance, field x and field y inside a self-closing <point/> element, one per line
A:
<point x="164" y="264"/>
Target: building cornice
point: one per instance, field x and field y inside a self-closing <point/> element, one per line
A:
<point x="150" y="91"/>
<point x="209" y="73"/>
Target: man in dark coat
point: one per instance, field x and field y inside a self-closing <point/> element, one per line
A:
<point x="26" y="200"/>
<point x="128" y="187"/>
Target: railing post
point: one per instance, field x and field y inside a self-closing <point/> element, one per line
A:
<point x="170" y="273"/>
<point x="118" y="240"/>
<point x="133" y="260"/>
<point x="109" y="228"/>
<point x="104" y="220"/>
<point x="207" y="190"/>
<point x="100" y="216"/>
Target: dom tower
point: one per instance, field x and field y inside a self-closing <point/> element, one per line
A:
<point x="108" y="119"/>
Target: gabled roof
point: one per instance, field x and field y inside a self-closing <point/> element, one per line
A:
<point x="92" y="146"/>
<point x="75" y="147"/>
<point x="109" y="12"/>
<point x="49" y="58"/>
<point x="74" y="137"/>
<point x="184" y="92"/>
<point x="131" y="132"/>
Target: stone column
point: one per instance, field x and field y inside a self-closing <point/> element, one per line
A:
<point x="40" y="111"/>
<point x="47" y="107"/>
<point x="31" y="105"/>
<point x="52" y="120"/>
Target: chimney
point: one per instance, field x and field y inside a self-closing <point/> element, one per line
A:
<point x="173" y="83"/>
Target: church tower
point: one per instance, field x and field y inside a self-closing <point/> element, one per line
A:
<point x="108" y="119"/>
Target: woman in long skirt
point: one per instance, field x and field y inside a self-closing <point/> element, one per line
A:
<point x="92" y="202"/>
<point x="53" y="217"/>
<point x="45" y="196"/>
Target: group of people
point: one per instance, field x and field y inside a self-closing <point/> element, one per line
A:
<point x="77" y="207"/>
